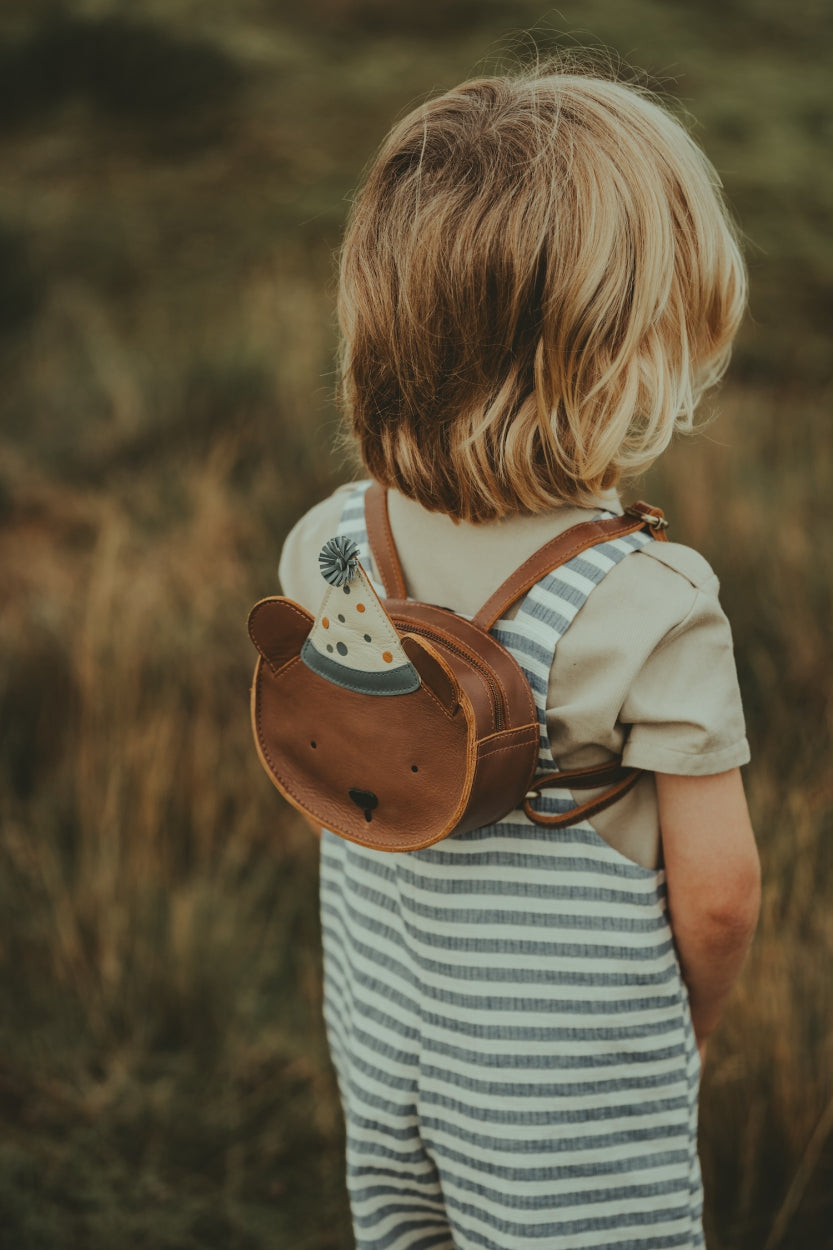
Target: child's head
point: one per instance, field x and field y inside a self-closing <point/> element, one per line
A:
<point x="538" y="281"/>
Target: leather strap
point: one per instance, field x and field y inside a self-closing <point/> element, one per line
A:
<point x="383" y="549"/>
<point x="619" y="780"/>
<point x="560" y="550"/>
<point x="556" y="552"/>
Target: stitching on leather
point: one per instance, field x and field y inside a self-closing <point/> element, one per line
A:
<point x="301" y="798"/>
<point x="279" y="775"/>
<point x="451" y="640"/>
<point x="448" y="715"/>
<point x="517" y="732"/>
<point x="493" y="661"/>
<point x="296" y="610"/>
<point x="513" y="746"/>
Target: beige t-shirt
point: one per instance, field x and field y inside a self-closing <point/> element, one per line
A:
<point x="646" y="670"/>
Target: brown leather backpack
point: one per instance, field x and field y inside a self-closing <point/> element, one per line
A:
<point x="397" y="724"/>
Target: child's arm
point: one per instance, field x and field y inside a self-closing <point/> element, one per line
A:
<point x="714" y="885"/>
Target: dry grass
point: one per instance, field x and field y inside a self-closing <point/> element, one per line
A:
<point x="166" y="347"/>
<point x="158" y="913"/>
<point x="751" y="494"/>
<point x="159" y="949"/>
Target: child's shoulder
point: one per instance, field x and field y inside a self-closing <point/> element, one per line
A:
<point x="652" y="650"/>
<point x="663" y="590"/>
<point x="322" y="518"/>
<point x="299" y="577"/>
<point x="661" y="601"/>
<point x="684" y="562"/>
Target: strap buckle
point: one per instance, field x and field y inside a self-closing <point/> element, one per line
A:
<point x="649" y="515"/>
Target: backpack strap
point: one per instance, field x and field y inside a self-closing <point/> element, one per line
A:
<point x="382" y="546"/>
<point x="617" y="777"/>
<point x="562" y="549"/>
<point x="556" y="552"/>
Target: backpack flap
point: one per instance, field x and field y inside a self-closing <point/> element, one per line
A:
<point x="364" y="730"/>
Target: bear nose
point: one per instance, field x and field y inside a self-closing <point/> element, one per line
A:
<point x="365" y="799"/>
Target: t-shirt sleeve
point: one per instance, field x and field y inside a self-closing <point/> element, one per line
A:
<point x="683" y="711"/>
<point x="647" y="671"/>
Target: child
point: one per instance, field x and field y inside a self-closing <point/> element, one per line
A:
<point x="538" y="281"/>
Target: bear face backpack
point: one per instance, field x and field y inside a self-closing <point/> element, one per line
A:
<point x="397" y="723"/>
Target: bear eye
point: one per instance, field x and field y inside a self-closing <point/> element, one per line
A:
<point x="313" y="745"/>
<point x="414" y="768"/>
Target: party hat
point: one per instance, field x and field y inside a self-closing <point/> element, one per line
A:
<point x="353" y="642"/>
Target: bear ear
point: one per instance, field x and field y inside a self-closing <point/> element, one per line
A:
<point x="434" y="671"/>
<point x="278" y="628"/>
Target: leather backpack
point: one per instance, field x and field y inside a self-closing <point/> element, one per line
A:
<point x="397" y="724"/>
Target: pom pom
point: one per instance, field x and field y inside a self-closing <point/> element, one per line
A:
<point x="338" y="561"/>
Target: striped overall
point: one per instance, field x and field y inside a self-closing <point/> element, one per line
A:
<point x="506" y="1016"/>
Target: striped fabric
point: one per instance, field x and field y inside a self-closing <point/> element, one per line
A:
<point x="507" y="1019"/>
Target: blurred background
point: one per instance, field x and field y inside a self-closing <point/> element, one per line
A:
<point x="175" y="176"/>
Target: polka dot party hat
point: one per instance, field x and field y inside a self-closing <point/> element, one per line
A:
<point x="353" y="642"/>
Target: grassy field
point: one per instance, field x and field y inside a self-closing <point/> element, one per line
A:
<point x="173" y="188"/>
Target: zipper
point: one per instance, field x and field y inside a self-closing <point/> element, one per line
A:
<point x="454" y="647"/>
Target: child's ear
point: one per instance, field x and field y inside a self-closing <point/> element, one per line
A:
<point x="278" y="628"/>
<point x="434" y="671"/>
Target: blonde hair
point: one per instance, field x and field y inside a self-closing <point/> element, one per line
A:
<point x="538" y="281"/>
